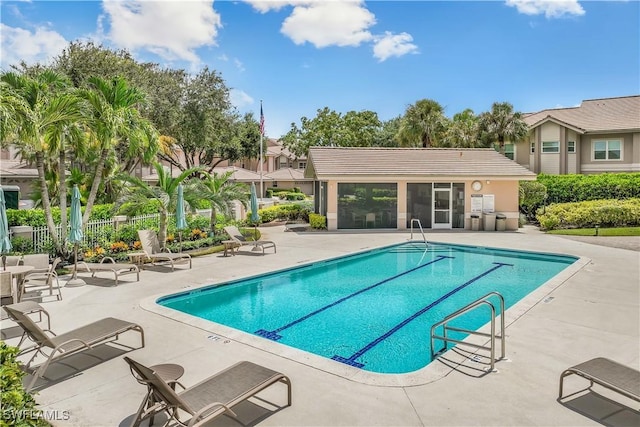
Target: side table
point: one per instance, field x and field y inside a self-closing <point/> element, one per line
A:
<point x="230" y="245"/>
<point x="138" y="258"/>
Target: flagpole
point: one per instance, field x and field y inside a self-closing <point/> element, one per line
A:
<point x="261" y="161"/>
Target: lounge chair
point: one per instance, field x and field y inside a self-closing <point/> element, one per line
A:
<point x="42" y="276"/>
<point x="209" y="398"/>
<point x="66" y="344"/>
<point x="237" y="236"/>
<point x="608" y="374"/>
<point x="153" y="252"/>
<point x="108" y="264"/>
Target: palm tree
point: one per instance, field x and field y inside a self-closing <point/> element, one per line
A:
<point x="463" y="130"/>
<point x="502" y="124"/>
<point x="45" y="117"/>
<point x="422" y="124"/>
<point x="221" y="192"/>
<point x="165" y="192"/>
<point x="114" y="121"/>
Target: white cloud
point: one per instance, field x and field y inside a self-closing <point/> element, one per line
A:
<point x="38" y="46"/>
<point x="240" y="98"/>
<point x="341" y="23"/>
<point x="390" y="45"/>
<point x="171" y="29"/>
<point x="550" y="8"/>
<point x="239" y="65"/>
<point x="329" y="23"/>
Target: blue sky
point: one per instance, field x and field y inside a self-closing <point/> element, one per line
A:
<point x="299" y="55"/>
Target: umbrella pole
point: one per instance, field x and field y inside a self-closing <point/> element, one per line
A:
<point x="74" y="278"/>
<point x="180" y="234"/>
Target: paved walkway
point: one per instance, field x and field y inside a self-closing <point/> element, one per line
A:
<point x="592" y="312"/>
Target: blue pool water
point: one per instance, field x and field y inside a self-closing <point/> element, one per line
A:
<point x="372" y="310"/>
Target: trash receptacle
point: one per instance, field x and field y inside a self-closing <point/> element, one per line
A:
<point x="489" y="222"/>
<point x="475" y="222"/>
<point x="501" y="222"/>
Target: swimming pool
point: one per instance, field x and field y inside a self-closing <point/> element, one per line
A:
<point x="371" y="310"/>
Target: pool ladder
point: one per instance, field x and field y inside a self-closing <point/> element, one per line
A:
<point x="492" y="335"/>
<point x="419" y="226"/>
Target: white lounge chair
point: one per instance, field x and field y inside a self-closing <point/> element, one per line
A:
<point x="108" y="264"/>
<point x="236" y="236"/>
<point x="153" y="252"/>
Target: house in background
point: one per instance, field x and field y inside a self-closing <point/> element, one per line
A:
<point x="601" y="135"/>
<point x="389" y="187"/>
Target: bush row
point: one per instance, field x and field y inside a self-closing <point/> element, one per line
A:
<point x="290" y="212"/>
<point x="578" y="188"/>
<point x="36" y="217"/>
<point x="604" y="213"/>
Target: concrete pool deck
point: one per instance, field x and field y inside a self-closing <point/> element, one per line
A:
<point x="594" y="312"/>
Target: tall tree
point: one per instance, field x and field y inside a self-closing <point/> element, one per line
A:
<point x="502" y="124"/>
<point x="209" y="130"/>
<point x="332" y="129"/>
<point x="138" y="192"/>
<point x="423" y="124"/>
<point x="43" y="123"/>
<point x="114" y="120"/>
<point x="387" y="136"/>
<point x="463" y="131"/>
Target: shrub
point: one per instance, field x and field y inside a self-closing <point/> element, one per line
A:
<point x="578" y="188"/>
<point x="127" y="233"/>
<point x="15" y="400"/>
<point x="117" y="247"/>
<point x="318" y="221"/>
<point x="605" y="213"/>
<point x="532" y="196"/>
<point x="295" y="196"/>
<point x="21" y="245"/>
<point x="269" y="193"/>
<point x="200" y="222"/>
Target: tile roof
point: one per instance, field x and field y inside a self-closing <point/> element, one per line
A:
<point x="595" y="115"/>
<point x="325" y="162"/>
<point x="288" y="174"/>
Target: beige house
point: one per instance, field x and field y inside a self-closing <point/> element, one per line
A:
<point x="601" y="135"/>
<point x="389" y="187"/>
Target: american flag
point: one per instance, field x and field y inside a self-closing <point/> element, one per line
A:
<point x="261" y="120"/>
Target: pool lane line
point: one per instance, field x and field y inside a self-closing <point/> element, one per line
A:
<point x="274" y="334"/>
<point x="352" y="360"/>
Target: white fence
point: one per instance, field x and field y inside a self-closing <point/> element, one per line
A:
<point x="95" y="231"/>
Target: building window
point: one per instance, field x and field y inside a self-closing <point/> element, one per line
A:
<point x="550" y="146"/>
<point x="302" y="165"/>
<point x="607" y="150"/>
<point x="509" y="151"/>
<point x="571" y="147"/>
<point x="533" y="147"/>
<point x="283" y="163"/>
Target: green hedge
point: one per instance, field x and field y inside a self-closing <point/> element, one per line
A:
<point x="604" y="213"/>
<point x="18" y="406"/>
<point x="578" y="188"/>
<point x="317" y="221"/>
<point x="289" y="212"/>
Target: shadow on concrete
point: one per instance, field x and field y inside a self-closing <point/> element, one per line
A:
<point x="601" y="409"/>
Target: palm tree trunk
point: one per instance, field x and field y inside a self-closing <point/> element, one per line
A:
<point x="46" y="202"/>
<point x="97" y="179"/>
<point x="162" y="229"/>
<point x="213" y="220"/>
<point x="62" y="163"/>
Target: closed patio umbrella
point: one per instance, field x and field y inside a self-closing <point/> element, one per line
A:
<point x="5" y="241"/>
<point x="75" y="234"/>
<point x="254" y="210"/>
<point x="181" y="221"/>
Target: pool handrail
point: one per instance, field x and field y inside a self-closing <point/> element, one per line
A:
<point x="484" y="300"/>
<point x="421" y="230"/>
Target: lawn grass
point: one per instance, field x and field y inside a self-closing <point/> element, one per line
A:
<point x="615" y="231"/>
